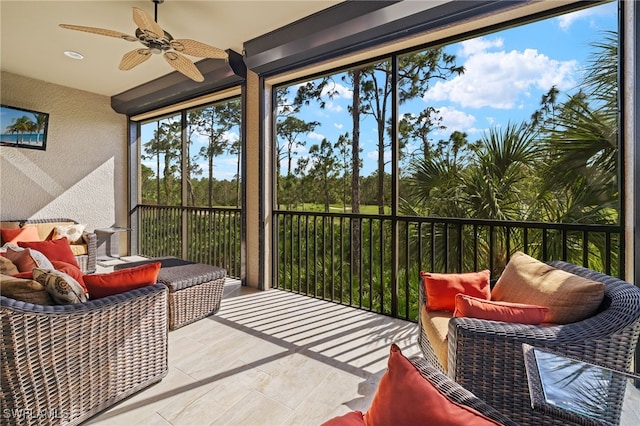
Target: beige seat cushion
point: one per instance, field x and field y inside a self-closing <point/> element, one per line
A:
<point x="25" y="290"/>
<point x="47" y="229"/>
<point x="570" y="298"/>
<point x="436" y="327"/>
<point x="79" y="249"/>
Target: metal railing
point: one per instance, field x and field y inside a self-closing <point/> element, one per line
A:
<point x="373" y="262"/>
<point x="198" y="234"/>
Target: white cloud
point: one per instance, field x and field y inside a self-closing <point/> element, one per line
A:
<point x="479" y="45"/>
<point x="333" y="107"/>
<point x="501" y="79"/>
<point x="315" y="136"/>
<point x="454" y="119"/>
<point x="338" y="126"/>
<point x="338" y="90"/>
<point x="567" y="20"/>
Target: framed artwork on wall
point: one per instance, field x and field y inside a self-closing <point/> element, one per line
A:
<point x="23" y="128"/>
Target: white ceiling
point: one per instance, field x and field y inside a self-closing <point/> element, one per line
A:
<point x="32" y="44"/>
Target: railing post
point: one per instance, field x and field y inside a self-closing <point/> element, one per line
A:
<point x="395" y="185"/>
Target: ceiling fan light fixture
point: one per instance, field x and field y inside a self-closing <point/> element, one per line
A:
<point x="155" y="49"/>
<point x="73" y="55"/>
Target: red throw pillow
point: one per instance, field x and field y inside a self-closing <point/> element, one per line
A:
<point x="472" y="307"/>
<point x="103" y="285"/>
<point x="27" y="275"/>
<point x="71" y="270"/>
<point x="27" y="259"/>
<point x="405" y="397"/>
<point x="353" y="418"/>
<point x="28" y="233"/>
<point x="441" y="289"/>
<point x="53" y="249"/>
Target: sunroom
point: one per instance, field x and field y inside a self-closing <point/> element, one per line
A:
<point x="345" y="149"/>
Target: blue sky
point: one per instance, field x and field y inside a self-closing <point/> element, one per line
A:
<point x="506" y="74"/>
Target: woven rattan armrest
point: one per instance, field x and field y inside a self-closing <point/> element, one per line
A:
<point x="91" y="240"/>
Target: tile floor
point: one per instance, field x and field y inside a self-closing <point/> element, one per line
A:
<point x="275" y="358"/>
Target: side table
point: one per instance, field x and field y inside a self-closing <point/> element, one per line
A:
<point x="108" y="242"/>
<point x="574" y="390"/>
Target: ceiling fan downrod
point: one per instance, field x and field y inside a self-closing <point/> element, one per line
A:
<point x="156" y="3"/>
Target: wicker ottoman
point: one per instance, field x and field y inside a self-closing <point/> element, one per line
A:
<point x="195" y="289"/>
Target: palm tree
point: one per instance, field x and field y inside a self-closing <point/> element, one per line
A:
<point x="21" y="126"/>
<point x="582" y="142"/>
<point x="41" y="121"/>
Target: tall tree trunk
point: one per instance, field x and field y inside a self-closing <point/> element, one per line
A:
<point x="381" y="165"/>
<point x="238" y="186"/>
<point x="167" y="178"/>
<point x="210" y="180"/>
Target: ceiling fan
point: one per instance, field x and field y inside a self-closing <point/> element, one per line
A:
<point x="157" y="41"/>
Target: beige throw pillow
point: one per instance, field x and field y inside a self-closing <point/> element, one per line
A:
<point x="26" y="290"/>
<point x="570" y="298"/>
<point x="7" y="267"/>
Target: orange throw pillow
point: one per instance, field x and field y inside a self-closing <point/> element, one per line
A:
<point x="472" y="307"/>
<point x="28" y="233"/>
<point x="103" y="285"/>
<point x="441" y="289"/>
<point x="354" y="418"/>
<point x="405" y="397"/>
<point x="52" y="249"/>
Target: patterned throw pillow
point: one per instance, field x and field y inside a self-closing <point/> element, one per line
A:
<point x="72" y="232"/>
<point x="62" y="288"/>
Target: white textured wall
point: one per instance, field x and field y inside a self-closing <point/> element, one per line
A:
<point x="82" y="174"/>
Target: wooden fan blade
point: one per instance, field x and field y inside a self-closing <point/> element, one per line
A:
<point x="100" y="31"/>
<point x="134" y="58"/>
<point x="146" y="23"/>
<point x="195" y="48"/>
<point x="183" y="65"/>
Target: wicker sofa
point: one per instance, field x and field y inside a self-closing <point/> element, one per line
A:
<point x="486" y="357"/>
<point x="62" y="364"/>
<point x="85" y="252"/>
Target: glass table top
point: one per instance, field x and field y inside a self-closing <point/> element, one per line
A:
<point x="561" y="385"/>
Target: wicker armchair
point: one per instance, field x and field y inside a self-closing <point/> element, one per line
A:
<point x="62" y="364"/>
<point x="486" y="357"/>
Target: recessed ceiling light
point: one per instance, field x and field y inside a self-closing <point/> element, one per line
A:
<point x="74" y="55"/>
